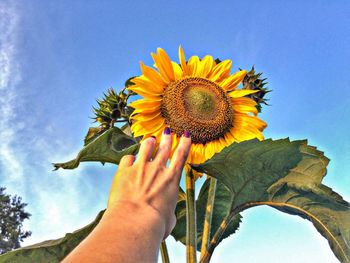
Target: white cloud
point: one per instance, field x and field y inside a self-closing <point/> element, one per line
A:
<point x="55" y="200"/>
<point x="60" y="199"/>
<point x="10" y="164"/>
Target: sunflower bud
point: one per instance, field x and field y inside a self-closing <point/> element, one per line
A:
<point x="253" y="81"/>
<point x="111" y="108"/>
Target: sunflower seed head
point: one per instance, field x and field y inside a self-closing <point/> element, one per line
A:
<point x="199" y="106"/>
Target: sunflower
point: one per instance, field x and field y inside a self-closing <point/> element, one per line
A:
<point x="199" y="95"/>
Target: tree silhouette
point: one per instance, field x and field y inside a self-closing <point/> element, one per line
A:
<point x="12" y="215"/>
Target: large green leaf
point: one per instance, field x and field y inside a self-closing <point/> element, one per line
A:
<point x="51" y="251"/>
<point x="109" y="147"/>
<point x="220" y="211"/>
<point x="287" y="176"/>
<point x="179" y="231"/>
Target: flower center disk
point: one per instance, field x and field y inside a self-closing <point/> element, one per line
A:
<point x="198" y="105"/>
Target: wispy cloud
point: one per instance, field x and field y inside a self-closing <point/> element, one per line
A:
<point x="55" y="200"/>
<point x="10" y="161"/>
<point x="59" y="200"/>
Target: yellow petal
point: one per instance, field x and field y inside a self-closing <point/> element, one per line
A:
<point x="192" y="155"/>
<point x="241" y="134"/>
<point x="145" y="106"/>
<point x="140" y="128"/>
<point x="164" y="66"/>
<point x="192" y="152"/>
<point x="241" y="93"/>
<point x="245" y="131"/>
<point x="229" y="138"/>
<point x="243" y="101"/>
<point x="209" y="151"/>
<point x="223" y="143"/>
<point x="146" y="117"/>
<point x="233" y="81"/>
<point x="182" y="60"/>
<point x="152" y="75"/>
<point x="245" y="109"/>
<point x="192" y="65"/>
<point x="217" y="146"/>
<point x="241" y="119"/>
<point x="197" y="153"/>
<point x="251" y="134"/>
<point x="220" y="71"/>
<point x="204" y="67"/>
<point x="177" y="70"/>
<point x="245" y="106"/>
<point x="234" y="135"/>
<point x="148" y="85"/>
<point x="156" y="133"/>
<point x="144" y="103"/>
<point x="256" y="132"/>
<point x="147" y="110"/>
<point x="144" y="92"/>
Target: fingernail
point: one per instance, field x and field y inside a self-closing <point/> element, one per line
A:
<point x="187" y="134"/>
<point x="154" y="137"/>
<point x="167" y="130"/>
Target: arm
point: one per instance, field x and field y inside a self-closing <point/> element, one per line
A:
<point x="141" y="205"/>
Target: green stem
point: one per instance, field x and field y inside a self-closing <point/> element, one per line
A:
<point x="191" y="229"/>
<point x="164" y="252"/>
<point x="223" y="226"/>
<point x="217" y="236"/>
<point x="208" y="216"/>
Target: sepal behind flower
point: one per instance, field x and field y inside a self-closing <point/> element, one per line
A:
<point x="253" y="81"/>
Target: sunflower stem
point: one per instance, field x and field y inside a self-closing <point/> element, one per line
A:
<point x="164" y="252"/>
<point x="208" y="216"/>
<point x="191" y="226"/>
<point x="216" y="238"/>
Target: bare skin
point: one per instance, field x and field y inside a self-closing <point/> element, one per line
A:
<point x="141" y="206"/>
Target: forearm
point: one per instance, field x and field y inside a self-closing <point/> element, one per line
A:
<point x="127" y="234"/>
<point x="141" y="205"/>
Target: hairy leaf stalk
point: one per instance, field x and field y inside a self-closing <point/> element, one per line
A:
<point x="191" y="227"/>
<point x="208" y="216"/>
<point x="164" y="252"/>
<point x="216" y="238"/>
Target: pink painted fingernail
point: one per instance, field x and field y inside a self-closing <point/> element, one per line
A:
<point x="167" y="130"/>
<point x="154" y="137"/>
<point x="187" y="134"/>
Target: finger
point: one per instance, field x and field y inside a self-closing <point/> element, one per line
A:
<point x="126" y="161"/>
<point x="146" y="150"/>
<point x="180" y="154"/>
<point x="164" y="149"/>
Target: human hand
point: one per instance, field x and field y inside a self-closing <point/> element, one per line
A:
<point x="146" y="188"/>
<point x="141" y="205"/>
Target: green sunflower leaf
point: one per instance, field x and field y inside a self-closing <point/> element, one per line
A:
<point x="51" y="250"/>
<point x="179" y="231"/>
<point x="220" y="211"/>
<point x="129" y="82"/>
<point x="287" y="176"/>
<point x="108" y="147"/>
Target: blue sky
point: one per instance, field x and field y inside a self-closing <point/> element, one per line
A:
<point x="57" y="57"/>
